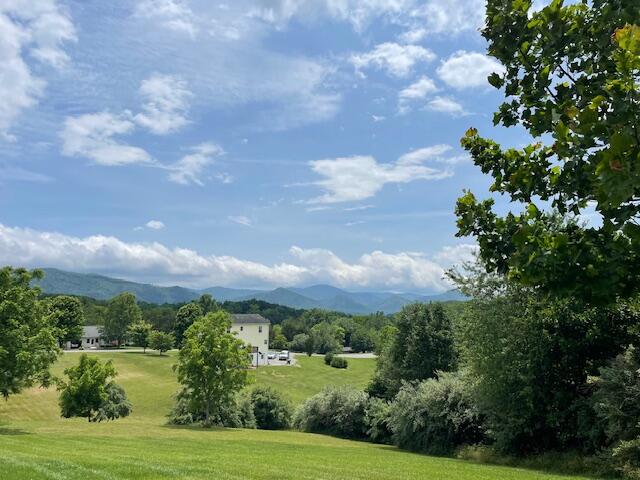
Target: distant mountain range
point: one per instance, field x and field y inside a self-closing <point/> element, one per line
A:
<point x="317" y="296"/>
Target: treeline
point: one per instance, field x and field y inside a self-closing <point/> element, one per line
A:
<point x="310" y="331"/>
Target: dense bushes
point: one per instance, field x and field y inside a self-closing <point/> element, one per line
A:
<point x="422" y="344"/>
<point x="328" y="357"/>
<point x="377" y="420"/>
<point x="339" y="362"/>
<point x="435" y="416"/>
<point x="339" y="411"/>
<point x="235" y="414"/>
<point x="532" y="358"/>
<point x="271" y="410"/>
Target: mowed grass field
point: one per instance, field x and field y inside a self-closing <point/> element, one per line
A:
<point x="35" y="443"/>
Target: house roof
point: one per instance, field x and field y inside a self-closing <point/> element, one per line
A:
<point x="91" y="331"/>
<point x="245" y="318"/>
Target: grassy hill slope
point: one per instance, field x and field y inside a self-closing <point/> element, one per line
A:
<point x="35" y="443"/>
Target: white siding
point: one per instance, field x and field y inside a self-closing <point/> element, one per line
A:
<point x="256" y="335"/>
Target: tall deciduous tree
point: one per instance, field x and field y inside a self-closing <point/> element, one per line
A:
<point x="423" y="344"/>
<point x="28" y="344"/>
<point x="91" y="393"/>
<point x="571" y="75"/>
<point x="122" y="311"/>
<point x="139" y="334"/>
<point x="186" y="315"/>
<point x="67" y="316"/>
<point x="212" y="365"/>
<point x="208" y="304"/>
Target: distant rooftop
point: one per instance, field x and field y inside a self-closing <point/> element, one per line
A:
<point x="244" y="318"/>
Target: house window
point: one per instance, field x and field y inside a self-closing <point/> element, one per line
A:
<point x="241" y="329"/>
<point x="259" y="328"/>
<point x="87" y="340"/>
<point x="265" y="341"/>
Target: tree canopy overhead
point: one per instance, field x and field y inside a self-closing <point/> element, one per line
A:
<point x="571" y="78"/>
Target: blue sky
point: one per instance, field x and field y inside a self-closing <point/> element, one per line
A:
<point x="247" y="143"/>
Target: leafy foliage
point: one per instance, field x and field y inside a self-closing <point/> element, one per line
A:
<point x="122" y="311"/>
<point x="571" y="74"/>
<point x="617" y="397"/>
<point x="362" y="340"/>
<point x="237" y="413"/>
<point x="28" y="343"/>
<point x="271" y="410"/>
<point x="436" y="415"/>
<point x="532" y="358"/>
<point x="377" y="417"/>
<point x="186" y="315"/>
<point x="339" y="362"/>
<point x="140" y="333"/>
<point x="422" y="345"/>
<point x="212" y="366"/>
<point x="328" y="357"/>
<point x="279" y="341"/>
<point x="90" y="392"/>
<point x="161" y="341"/>
<point x="299" y="342"/>
<point x="67" y="315"/>
<point x="339" y="411"/>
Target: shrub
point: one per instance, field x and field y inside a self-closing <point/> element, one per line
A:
<point x="435" y="416"/>
<point x="377" y="418"/>
<point x="271" y="410"/>
<point x="299" y="342"/>
<point x="626" y="458"/>
<point x="339" y="411"/>
<point x="237" y="414"/>
<point x="339" y="362"/>
<point x="328" y="357"/>
<point x="616" y="399"/>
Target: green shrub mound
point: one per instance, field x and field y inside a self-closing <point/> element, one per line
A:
<point x="435" y="416"/>
<point x="339" y="411"/>
<point x="271" y="410"/>
<point x="339" y="362"/>
<point x="328" y="357"/>
<point x="377" y="420"/>
<point x="236" y="414"/>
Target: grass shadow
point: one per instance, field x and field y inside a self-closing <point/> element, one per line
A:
<point x="195" y="428"/>
<point x="12" y="431"/>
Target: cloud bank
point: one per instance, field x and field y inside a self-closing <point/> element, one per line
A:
<point x="160" y="264"/>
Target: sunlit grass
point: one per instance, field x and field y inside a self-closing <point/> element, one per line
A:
<point x="35" y="443"/>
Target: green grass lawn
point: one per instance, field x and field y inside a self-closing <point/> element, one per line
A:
<point x="35" y="443"/>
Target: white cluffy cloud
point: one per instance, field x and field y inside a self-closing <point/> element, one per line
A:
<point x="158" y="263"/>
<point x="397" y="60"/>
<point x="155" y="225"/>
<point x="92" y="136"/>
<point x="351" y="179"/>
<point x="446" y="105"/>
<point x="28" y="29"/>
<point x="189" y="168"/>
<point x="468" y="69"/>
<point x="416" y="91"/>
<point x="173" y="14"/>
<point x="450" y="17"/>
<point x="166" y="103"/>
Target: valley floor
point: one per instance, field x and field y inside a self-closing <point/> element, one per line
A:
<point x="35" y="443"/>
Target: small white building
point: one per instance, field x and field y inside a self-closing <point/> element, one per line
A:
<point x="91" y="337"/>
<point x="253" y="329"/>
